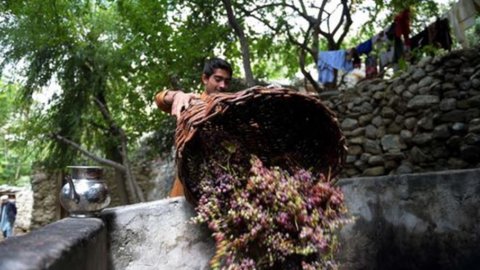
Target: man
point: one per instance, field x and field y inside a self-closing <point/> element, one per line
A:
<point x="8" y="213"/>
<point x="216" y="77"/>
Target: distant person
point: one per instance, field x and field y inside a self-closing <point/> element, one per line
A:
<point x="8" y="214"/>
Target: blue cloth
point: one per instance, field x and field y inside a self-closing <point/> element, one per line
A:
<point x="365" y="47"/>
<point x="330" y="60"/>
<point x="7" y="218"/>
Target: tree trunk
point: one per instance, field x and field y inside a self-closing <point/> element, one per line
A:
<point x="243" y="42"/>
<point x="120" y="181"/>
<point x="119" y="133"/>
<point x="128" y="168"/>
<point x="121" y="187"/>
<point x="307" y="74"/>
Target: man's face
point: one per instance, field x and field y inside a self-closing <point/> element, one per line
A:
<point x="217" y="82"/>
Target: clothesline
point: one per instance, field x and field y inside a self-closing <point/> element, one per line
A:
<point x="399" y="29"/>
<point x="396" y="39"/>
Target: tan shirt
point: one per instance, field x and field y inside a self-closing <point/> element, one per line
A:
<point x="177" y="189"/>
<point x="162" y="105"/>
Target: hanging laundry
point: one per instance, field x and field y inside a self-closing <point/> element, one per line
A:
<point x="398" y="33"/>
<point x="436" y="34"/>
<point x="371" y="67"/>
<point x="398" y="49"/>
<point x="330" y="60"/>
<point x="386" y="58"/>
<point x="390" y="31"/>
<point x="367" y="47"/>
<point x="402" y="26"/>
<point x="439" y="34"/>
<point x="382" y="44"/>
<point x="388" y="47"/>
<point x="379" y="38"/>
<point x="354" y="56"/>
<point x="461" y="17"/>
<point x="364" y="47"/>
<point x="419" y="40"/>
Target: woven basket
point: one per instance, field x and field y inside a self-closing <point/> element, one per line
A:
<point x="276" y="124"/>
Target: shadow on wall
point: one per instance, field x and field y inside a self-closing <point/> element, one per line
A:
<point x="413" y="221"/>
<point x="396" y="247"/>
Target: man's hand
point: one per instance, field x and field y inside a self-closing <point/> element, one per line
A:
<point x="181" y="101"/>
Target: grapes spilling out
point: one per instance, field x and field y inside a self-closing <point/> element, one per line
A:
<point x="266" y="216"/>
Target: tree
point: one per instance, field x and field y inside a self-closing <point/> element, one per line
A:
<point x="58" y="42"/>
<point x="109" y="59"/>
<point x="15" y="160"/>
<point x="304" y="23"/>
<point x="311" y="26"/>
<point x="242" y="39"/>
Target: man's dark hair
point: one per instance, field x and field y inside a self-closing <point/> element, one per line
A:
<point x="216" y="63"/>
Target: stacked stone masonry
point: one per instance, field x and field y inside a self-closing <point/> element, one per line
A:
<point x="424" y="119"/>
<point x="46" y="207"/>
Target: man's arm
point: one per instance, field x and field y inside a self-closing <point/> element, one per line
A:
<point x="164" y="100"/>
<point x="174" y="102"/>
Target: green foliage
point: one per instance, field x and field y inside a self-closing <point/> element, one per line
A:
<point x="273" y="60"/>
<point x="15" y="161"/>
<point x="122" y="52"/>
<point x="473" y="34"/>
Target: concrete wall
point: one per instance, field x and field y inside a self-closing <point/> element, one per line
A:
<point x="416" y="221"/>
<point x="413" y="221"/>
<point x="74" y="244"/>
<point x="422" y="221"/>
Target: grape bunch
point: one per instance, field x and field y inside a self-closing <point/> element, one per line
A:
<point x="268" y="217"/>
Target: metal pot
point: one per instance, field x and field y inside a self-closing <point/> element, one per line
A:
<point x="85" y="194"/>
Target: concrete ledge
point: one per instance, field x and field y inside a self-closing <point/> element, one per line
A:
<point x="417" y="221"/>
<point x="74" y="244"/>
<point x="157" y="235"/>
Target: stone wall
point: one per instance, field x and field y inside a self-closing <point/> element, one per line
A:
<point x="113" y="187"/>
<point x="424" y="119"/>
<point x="155" y="177"/>
<point x="46" y="205"/>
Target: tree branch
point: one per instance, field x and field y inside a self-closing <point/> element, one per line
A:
<point x="237" y="28"/>
<point x="89" y="154"/>
<point x="303" y="49"/>
<point x="123" y="138"/>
